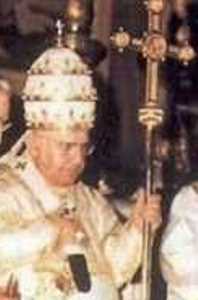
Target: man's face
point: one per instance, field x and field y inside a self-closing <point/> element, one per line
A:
<point x="60" y="159"/>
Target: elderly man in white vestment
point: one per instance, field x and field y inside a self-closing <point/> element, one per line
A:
<point x="59" y="239"/>
<point x="179" y="250"/>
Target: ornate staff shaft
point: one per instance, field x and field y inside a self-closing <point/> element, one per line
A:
<point x="147" y="235"/>
<point x="151" y="116"/>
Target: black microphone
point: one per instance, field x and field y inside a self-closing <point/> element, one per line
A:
<point x="80" y="272"/>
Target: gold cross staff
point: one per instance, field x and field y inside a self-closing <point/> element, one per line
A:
<point x="155" y="48"/>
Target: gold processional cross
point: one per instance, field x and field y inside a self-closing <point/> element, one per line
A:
<point x="155" y="49"/>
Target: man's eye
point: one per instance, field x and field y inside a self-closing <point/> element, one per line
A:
<point x="68" y="147"/>
<point x="65" y="146"/>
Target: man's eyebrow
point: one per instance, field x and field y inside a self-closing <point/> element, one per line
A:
<point x="72" y="143"/>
